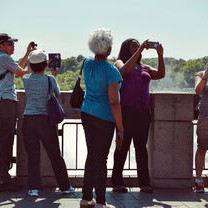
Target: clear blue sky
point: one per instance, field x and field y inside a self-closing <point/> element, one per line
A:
<point x="64" y="25"/>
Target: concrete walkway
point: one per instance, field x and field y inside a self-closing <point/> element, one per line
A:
<point x="133" y="199"/>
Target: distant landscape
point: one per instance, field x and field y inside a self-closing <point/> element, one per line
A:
<point x="179" y="73"/>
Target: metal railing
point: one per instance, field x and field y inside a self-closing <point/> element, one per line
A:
<point x="74" y="150"/>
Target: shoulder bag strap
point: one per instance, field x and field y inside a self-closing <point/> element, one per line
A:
<point x="80" y="73"/>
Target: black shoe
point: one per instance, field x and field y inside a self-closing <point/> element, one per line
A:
<point x="11" y="186"/>
<point x="2" y="187"/>
<point x="120" y="189"/>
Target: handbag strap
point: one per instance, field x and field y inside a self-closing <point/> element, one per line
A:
<point x="80" y="73"/>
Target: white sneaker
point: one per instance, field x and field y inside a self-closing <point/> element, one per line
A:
<point x="33" y="193"/>
<point x="104" y="206"/>
<point x="71" y="190"/>
<point x="88" y="204"/>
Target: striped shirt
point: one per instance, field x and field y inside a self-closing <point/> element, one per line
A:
<point x="36" y="90"/>
<point x="7" y="87"/>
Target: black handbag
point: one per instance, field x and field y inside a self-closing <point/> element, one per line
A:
<point x="77" y="95"/>
<point x="56" y="113"/>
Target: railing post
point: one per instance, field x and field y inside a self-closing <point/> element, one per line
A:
<point x="171" y="141"/>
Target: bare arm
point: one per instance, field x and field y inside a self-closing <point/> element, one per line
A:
<point x="160" y="72"/>
<point x="20" y="71"/>
<point x="200" y="82"/>
<point x="23" y="61"/>
<point x="113" y="95"/>
<point x="132" y="62"/>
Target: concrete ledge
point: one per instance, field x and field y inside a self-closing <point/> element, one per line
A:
<point x="170" y="143"/>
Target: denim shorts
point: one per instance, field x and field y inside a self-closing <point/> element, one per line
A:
<point x="202" y="132"/>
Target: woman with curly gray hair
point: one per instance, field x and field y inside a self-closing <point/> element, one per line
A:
<point x="100" y="114"/>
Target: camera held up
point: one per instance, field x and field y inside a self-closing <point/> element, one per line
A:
<point x="33" y="44"/>
<point x="153" y="45"/>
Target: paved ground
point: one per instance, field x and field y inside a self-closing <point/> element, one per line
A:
<point x="133" y="199"/>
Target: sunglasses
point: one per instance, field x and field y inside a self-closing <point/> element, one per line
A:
<point x="10" y="43"/>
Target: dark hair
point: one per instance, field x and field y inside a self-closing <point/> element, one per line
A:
<point x="124" y="53"/>
<point x="38" y="67"/>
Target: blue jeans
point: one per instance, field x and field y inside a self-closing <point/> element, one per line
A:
<point x="8" y="113"/>
<point x="37" y="128"/>
<point x="99" y="135"/>
<point x="136" y="127"/>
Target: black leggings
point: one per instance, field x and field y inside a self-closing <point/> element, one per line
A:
<point x="136" y="126"/>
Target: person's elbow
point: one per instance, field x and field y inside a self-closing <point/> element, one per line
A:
<point x="162" y="75"/>
<point x="20" y="72"/>
<point x="197" y="91"/>
<point x="159" y="76"/>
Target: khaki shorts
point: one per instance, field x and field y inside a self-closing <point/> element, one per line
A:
<point x="202" y="132"/>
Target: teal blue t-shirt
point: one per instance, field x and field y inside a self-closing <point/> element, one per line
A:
<point x="97" y="76"/>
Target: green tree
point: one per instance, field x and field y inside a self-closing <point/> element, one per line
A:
<point x="190" y="68"/>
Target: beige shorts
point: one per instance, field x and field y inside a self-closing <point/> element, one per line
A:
<point x="202" y="132"/>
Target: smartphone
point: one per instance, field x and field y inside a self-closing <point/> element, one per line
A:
<point x="153" y="45"/>
<point x="54" y="60"/>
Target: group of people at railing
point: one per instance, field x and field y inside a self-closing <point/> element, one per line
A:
<point x="116" y="96"/>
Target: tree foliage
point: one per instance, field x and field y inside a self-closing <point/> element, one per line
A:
<point x="179" y="73"/>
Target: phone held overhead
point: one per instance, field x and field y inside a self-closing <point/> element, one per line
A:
<point x="153" y="45"/>
<point x="54" y="60"/>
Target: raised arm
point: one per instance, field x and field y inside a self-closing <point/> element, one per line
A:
<point x="125" y="68"/>
<point x="20" y="71"/>
<point x="200" y="82"/>
<point x="160" y="72"/>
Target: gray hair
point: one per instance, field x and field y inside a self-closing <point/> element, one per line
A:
<point x="100" y="41"/>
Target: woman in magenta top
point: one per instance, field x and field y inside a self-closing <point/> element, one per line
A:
<point x="136" y="109"/>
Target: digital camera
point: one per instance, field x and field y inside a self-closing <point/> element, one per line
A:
<point x="153" y="45"/>
<point x="33" y="44"/>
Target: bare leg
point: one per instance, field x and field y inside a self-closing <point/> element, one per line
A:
<point x="200" y="161"/>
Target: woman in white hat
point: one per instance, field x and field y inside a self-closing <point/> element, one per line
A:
<point x="36" y="125"/>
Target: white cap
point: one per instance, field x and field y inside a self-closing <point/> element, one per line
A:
<point x="37" y="56"/>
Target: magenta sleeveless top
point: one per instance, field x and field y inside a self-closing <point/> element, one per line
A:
<point x="135" y="89"/>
